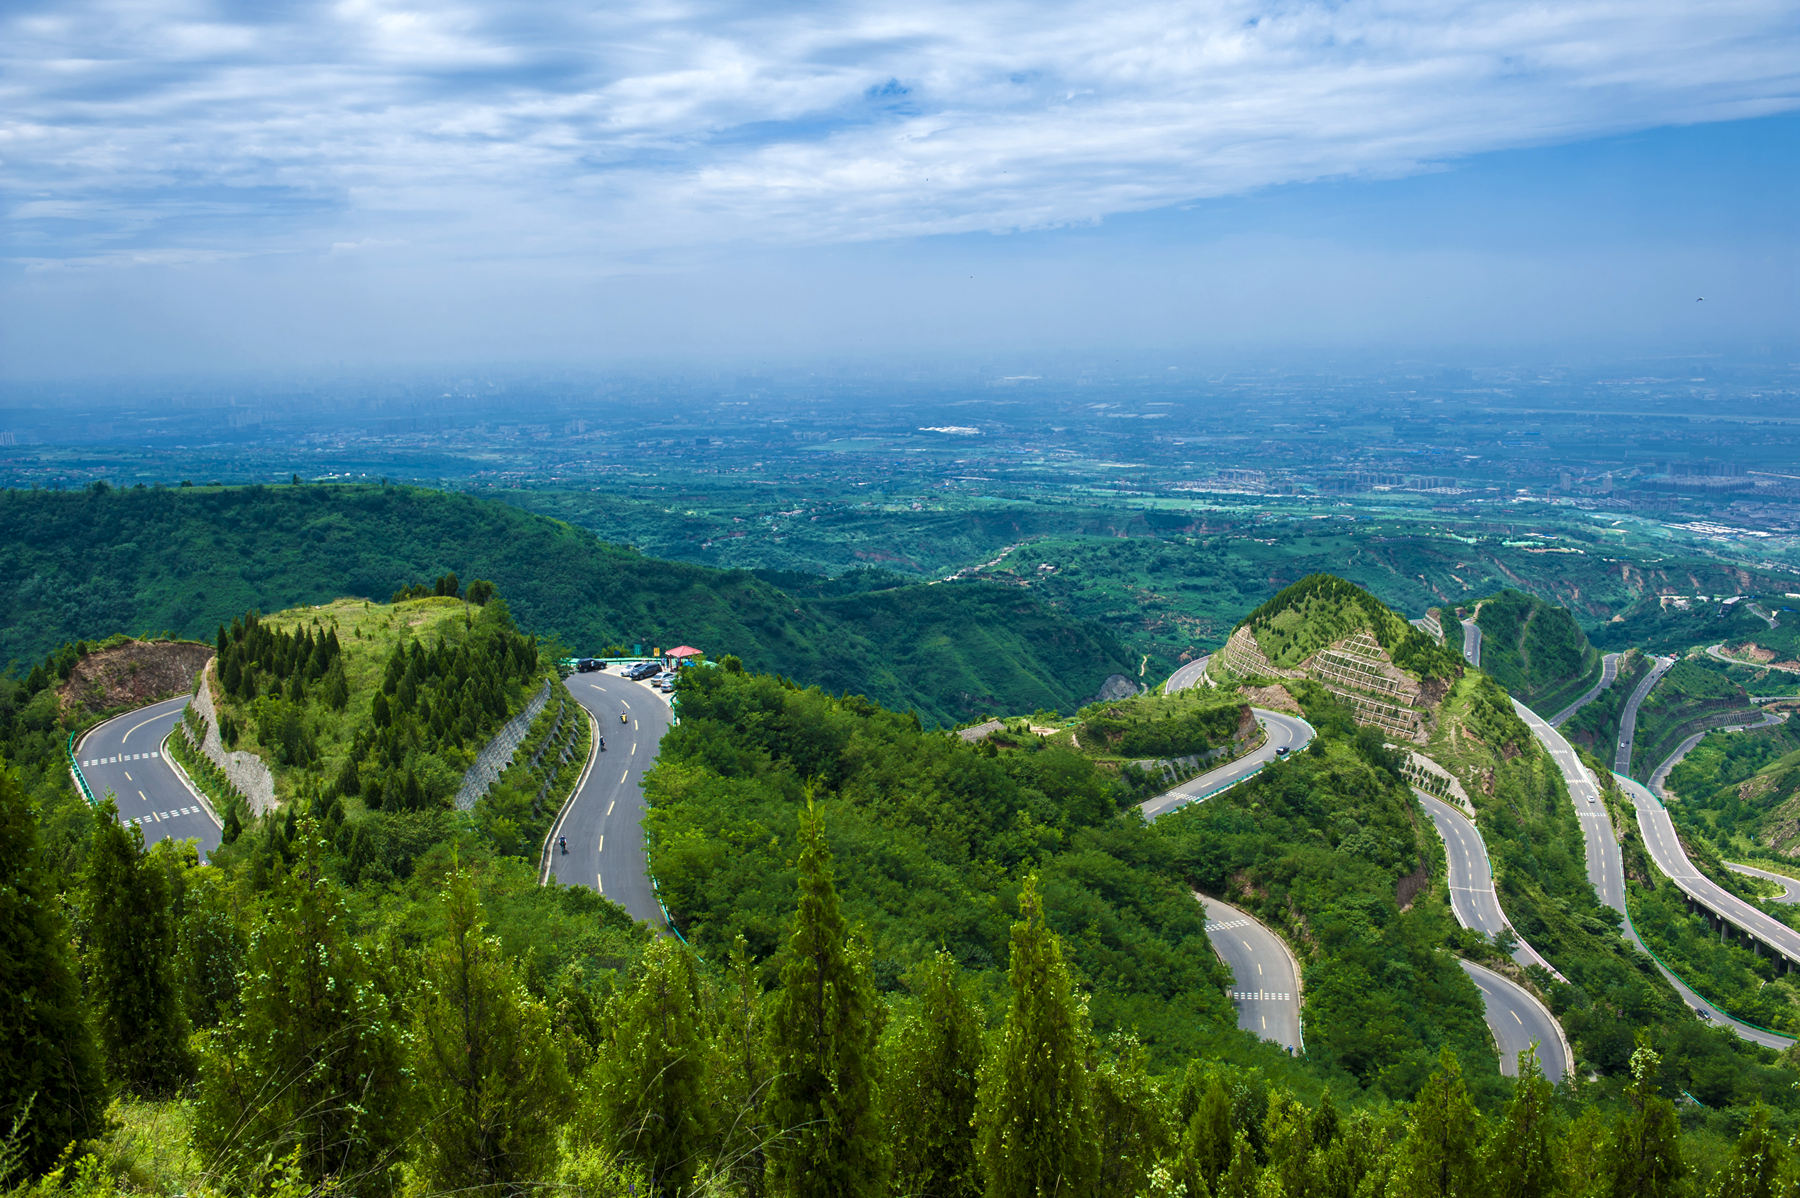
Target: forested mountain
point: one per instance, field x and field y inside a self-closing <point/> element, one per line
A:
<point x="90" y="563"/>
<point x="1536" y="650"/>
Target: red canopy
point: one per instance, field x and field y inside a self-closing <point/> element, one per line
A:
<point x="684" y="651"/>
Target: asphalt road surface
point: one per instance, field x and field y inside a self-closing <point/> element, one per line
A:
<point x="1790" y="892"/>
<point x="603" y="822"/>
<point x="125" y="756"/>
<point x="1187" y="675"/>
<point x="1609" y="673"/>
<point x="1519" y="1021"/>
<point x="1628" y="719"/>
<point x="1283" y="732"/>
<point x="1660" y="775"/>
<point x="1606" y="869"/>
<point x="1265" y="981"/>
<point x="1472" y="643"/>
<point x="1665" y="850"/>
<point x="1472" y="895"/>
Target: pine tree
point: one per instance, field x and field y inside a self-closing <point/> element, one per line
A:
<point x="931" y="1064"/>
<point x="212" y="948"/>
<point x="1758" y="1161"/>
<point x="491" y="1079"/>
<point x="655" y="1080"/>
<point x="1519" y="1162"/>
<point x="742" y="1048"/>
<point x="131" y="952"/>
<point x="51" y="1083"/>
<point x="311" y="1066"/>
<point x="1438" y="1156"/>
<point x="822" y="1100"/>
<point x="1209" y="1132"/>
<point x="1036" y="1114"/>
<point x="1642" y="1158"/>
<point x="1130" y="1117"/>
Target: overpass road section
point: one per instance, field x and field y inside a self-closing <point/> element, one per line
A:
<point x="1790" y="887"/>
<point x="1628" y="718"/>
<point x="603" y="820"/>
<point x="126" y="756"/>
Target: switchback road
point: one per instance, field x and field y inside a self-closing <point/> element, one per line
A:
<point x="1628" y="719"/>
<point x="125" y="756"/>
<point x="1518" y="1021"/>
<point x="603" y="821"/>
<point x="1188" y="675"/>
<point x="1265" y="977"/>
<point x="1472" y="643"/>
<point x="1606" y="868"/>
<point x="1609" y="673"/>
<point x="1288" y="732"/>
<point x="1790" y="888"/>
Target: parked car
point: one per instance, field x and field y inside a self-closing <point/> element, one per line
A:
<point x="588" y="665"/>
<point x="642" y="670"/>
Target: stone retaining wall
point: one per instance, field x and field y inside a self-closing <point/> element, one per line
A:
<point x="493" y="759"/>
<point x="246" y="771"/>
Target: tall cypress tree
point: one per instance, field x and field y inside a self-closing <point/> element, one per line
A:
<point x="822" y="1101"/>
<point x="51" y="1083"/>
<point x="1438" y="1156"/>
<point x="1036" y="1113"/>
<point x="131" y="953"/>
<point x="1642" y="1158"/>
<point x="311" y="1065"/>
<point x="1519" y="1161"/>
<point x="490" y="1077"/>
<point x="931" y="1065"/>
<point x="655" y="1081"/>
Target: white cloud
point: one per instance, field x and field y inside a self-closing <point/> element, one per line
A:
<point x="634" y="129"/>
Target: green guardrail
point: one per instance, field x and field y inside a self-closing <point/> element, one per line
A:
<point x="81" y="781"/>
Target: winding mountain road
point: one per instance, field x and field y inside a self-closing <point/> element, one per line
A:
<point x="1472" y="643"/>
<point x="1265" y="976"/>
<point x="1282" y="732"/>
<point x="603" y="820"/>
<point x="1190" y="674"/>
<point x="1609" y="673"/>
<point x="1790" y="887"/>
<point x="1628" y="718"/>
<point x="1519" y="1021"/>
<point x="125" y="755"/>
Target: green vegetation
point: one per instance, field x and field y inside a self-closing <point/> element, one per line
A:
<point x="1536" y="650"/>
<point x="1322" y="609"/>
<point x="1730" y="975"/>
<point x="1329" y="847"/>
<point x="949" y="652"/>
<point x="1696" y="693"/>
<point x="1595" y="728"/>
<point x="1197" y="720"/>
<point x="1741" y="791"/>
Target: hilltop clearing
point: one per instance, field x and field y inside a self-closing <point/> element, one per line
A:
<point x="190" y="559"/>
<point x="1536" y="650"/>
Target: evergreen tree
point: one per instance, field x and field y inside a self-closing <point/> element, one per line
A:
<point x="1131" y="1119"/>
<point x="1642" y="1158"/>
<point x="1036" y="1114"/>
<point x="1758" y="1161"/>
<point x="655" y="1081"/>
<point x="131" y="951"/>
<point x="741" y="1046"/>
<point x="1438" y="1156"/>
<point x="51" y="1085"/>
<point x="212" y="947"/>
<point x="1519" y="1161"/>
<point x="1209" y="1131"/>
<point x="822" y="1099"/>
<point x="310" y="1068"/>
<point x="490" y="1077"/>
<point x="931" y="1065"/>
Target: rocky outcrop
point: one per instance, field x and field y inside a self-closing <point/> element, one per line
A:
<point x="133" y="674"/>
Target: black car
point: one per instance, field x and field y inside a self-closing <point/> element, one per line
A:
<point x="588" y="665"/>
<point x="642" y="670"/>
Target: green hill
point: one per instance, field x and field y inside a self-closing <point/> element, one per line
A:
<point x="1696" y="693"/>
<point x="90" y="563"/>
<point x="1322" y="609"/>
<point x="1536" y="650"/>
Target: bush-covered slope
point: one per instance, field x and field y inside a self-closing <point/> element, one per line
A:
<point x="1536" y="650"/>
<point x="91" y="563"/>
<point x="1696" y="693"/>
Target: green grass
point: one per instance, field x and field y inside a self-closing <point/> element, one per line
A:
<point x="1696" y="693"/>
<point x="1536" y="650"/>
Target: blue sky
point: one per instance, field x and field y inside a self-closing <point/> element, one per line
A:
<point x="193" y="186"/>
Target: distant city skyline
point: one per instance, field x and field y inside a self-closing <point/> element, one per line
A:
<point x="201" y="188"/>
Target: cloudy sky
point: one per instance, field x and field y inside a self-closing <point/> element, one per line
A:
<point x="279" y="183"/>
